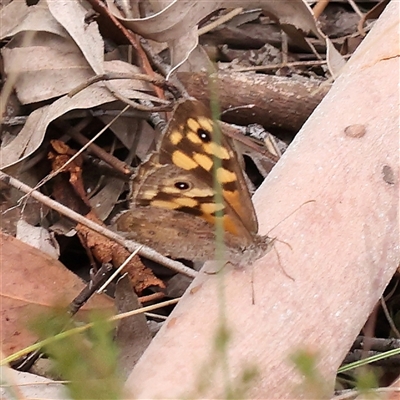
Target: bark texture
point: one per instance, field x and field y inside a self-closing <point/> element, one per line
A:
<point x="344" y="248"/>
<point x="280" y="104"/>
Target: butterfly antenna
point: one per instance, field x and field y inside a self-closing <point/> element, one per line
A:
<point x="282" y="241"/>
<point x="297" y="209"/>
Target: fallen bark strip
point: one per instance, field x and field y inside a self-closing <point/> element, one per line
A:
<point x="344" y="248"/>
<point x="281" y="104"/>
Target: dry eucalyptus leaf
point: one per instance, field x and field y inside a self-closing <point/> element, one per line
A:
<point x="31" y="136"/>
<point x="103" y="202"/>
<point x="136" y="135"/>
<point x="17" y="17"/>
<point x="56" y="66"/>
<point x="176" y="22"/>
<point x="124" y="128"/>
<point x="32" y="281"/>
<point x="63" y="51"/>
<point x="61" y="18"/>
<point x="71" y="15"/>
<point x="31" y="386"/>
<point x="38" y="237"/>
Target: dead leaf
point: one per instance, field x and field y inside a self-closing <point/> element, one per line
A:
<point x="132" y="333"/>
<point x="56" y="68"/>
<point x="176" y="23"/>
<point x="64" y="51"/>
<point x="38" y="237"/>
<point x="17" y="17"/>
<point x="32" y="281"/>
<point x="32" y="134"/>
<point x="105" y="250"/>
<point x="71" y="15"/>
<point x="59" y="157"/>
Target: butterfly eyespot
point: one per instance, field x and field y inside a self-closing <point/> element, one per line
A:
<point x="204" y="135"/>
<point x="182" y="185"/>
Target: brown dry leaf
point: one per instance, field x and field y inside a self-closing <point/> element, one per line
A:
<point x="374" y="13"/>
<point x="105" y="250"/>
<point x="176" y="22"/>
<point x="32" y="282"/>
<point x="56" y="68"/>
<point x="61" y="154"/>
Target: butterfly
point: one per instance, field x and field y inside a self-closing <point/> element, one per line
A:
<point x="174" y="198"/>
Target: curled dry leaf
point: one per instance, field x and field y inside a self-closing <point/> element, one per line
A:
<point x="48" y="73"/>
<point x="176" y="23"/>
<point x="63" y="52"/>
<point x="17" y="17"/>
<point x="32" y="281"/>
<point x="59" y="156"/>
<point x="105" y="250"/>
<point x="31" y="136"/>
<point x="59" y="59"/>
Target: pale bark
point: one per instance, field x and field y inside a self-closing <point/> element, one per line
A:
<point x="344" y="248"/>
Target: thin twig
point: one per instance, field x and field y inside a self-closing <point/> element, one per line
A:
<point x="118" y="270"/>
<point x="109" y="159"/>
<point x="108" y="76"/>
<point x="352" y="394"/>
<point x="94" y="284"/>
<point x="280" y="65"/>
<point x="354" y="6"/>
<point x="319" y="8"/>
<point x="220" y="21"/>
<point x="151" y="297"/>
<point x="389" y="318"/>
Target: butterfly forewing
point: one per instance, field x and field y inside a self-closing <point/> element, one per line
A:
<point x="187" y="152"/>
<point x="190" y="144"/>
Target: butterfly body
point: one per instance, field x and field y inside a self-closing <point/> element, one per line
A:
<point x="174" y="193"/>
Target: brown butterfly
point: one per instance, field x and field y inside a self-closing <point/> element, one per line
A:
<point x="173" y="201"/>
